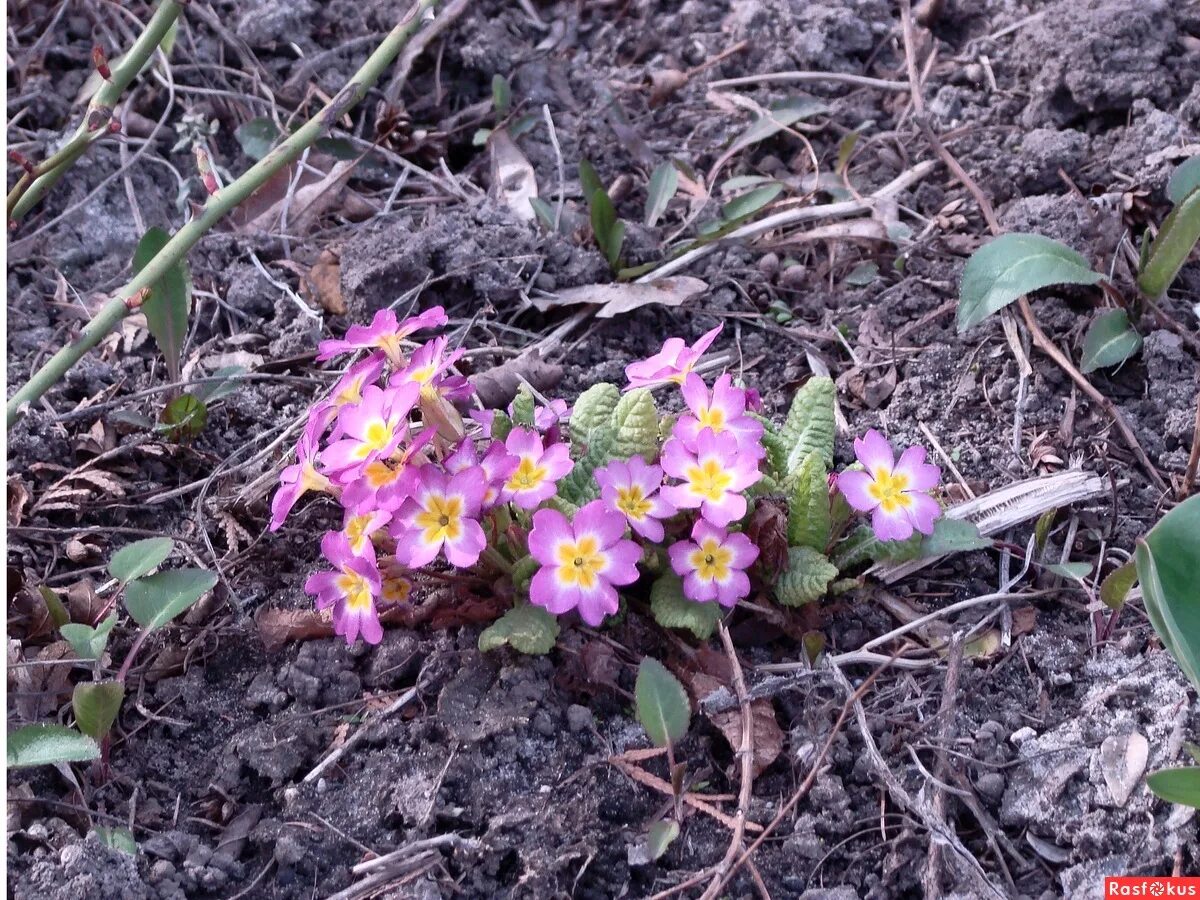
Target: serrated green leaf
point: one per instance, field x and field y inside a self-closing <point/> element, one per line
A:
<point x="810" y="426"/>
<point x="776" y="447"/>
<point x="96" y="705"/>
<point x="1184" y="180"/>
<point x="579" y="485"/>
<point x="155" y="600"/>
<point x="671" y="609"/>
<point x="953" y="536"/>
<point x="1013" y="265"/>
<point x="523" y="407"/>
<point x="635" y="426"/>
<point x="593" y="410"/>
<point x="1117" y="584"/>
<point x="806" y="578"/>
<point x="86" y="641"/>
<point x="1110" y="340"/>
<point x="44" y="745"/>
<point x="660" y="837"/>
<point x="1168" y="558"/>
<point x="256" y="137"/>
<point x="527" y="629"/>
<point x="662" y="703"/>
<point x="807" y="491"/>
<point x="1171" y="246"/>
<point x="663" y="184"/>
<point x="139" y="558"/>
<point x="170" y="300"/>
<point x="1181" y="785"/>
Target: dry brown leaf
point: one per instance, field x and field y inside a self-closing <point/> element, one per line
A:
<point x="664" y="84"/>
<point x="18" y="499"/>
<point x="322" y="284"/>
<point x="615" y="299"/>
<point x="514" y="182"/>
<point x="40" y="687"/>
<point x="497" y="387"/>
<point x="766" y="733"/>
<point x="308" y="201"/>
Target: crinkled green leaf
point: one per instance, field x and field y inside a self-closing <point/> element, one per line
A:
<point x="579" y="485"/>
<point x="1181" y="785"/>
<point x="1110" y="340"/>
<point x="635" y="426"/>
<point x="155" y="600"/>
<point x="1168" y="558"/>
<point x="810" y="426"/>
<point x="806" y="578"/>
<point x="593" y="410"/>
<point x="1184" y="180"/>
<point x="776" y="447"/>
<point x="953" y="536"/>
<point x="663" y="184"/>
<point x="527" y="629"/>
<point x="170" y="301"/>
<point x="807" y="491"/>
<point x="1117" y="584"/>
<point x="523" y="407"/>
<point x="661" y="702"/>
<point x="96" y="705"/>
<point x="44" y="745"/>
<point x="671" y="609"/>
<point x="1171" y="246"/>
<point x="1013" y="265"/>
<point x="86" y="641"/>
<point x="139" y="558"/>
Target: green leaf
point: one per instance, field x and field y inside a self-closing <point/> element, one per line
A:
<point x="139" y="558"/>
<point x="579" y="486"/>
<point x="96" y="706"/>
<point x="86" y="641"/>
<point x="527" y="629"/>
<point x="808" y="504"/>
<point x="845" y="149"/>
<point x="661" y="835"/>
<point x="501" y="95"/>
<point x="663" y="184"/>
<point x="170" y="300"/>
<point x="1117" y="584"/>
<point x="776" y="447"/>
<point x="671" y="609"/>
<point x="862" y="545"/>
<point x="117" y="838"/>
<point x="609" y="232"/>
<point x="1171" y="247"/>
<point x="54" y="606"/>
<point x="593" y="409"/>
<point x="661" y="702"/>
<point x="1013" y="265"/>
<point x="810" y="427"/>
<point x="779" y="116"/>
<point x="953" y="536"/>
<point x="635" y="425"/>
<point x="257" y="137"/>
<point x="807" y="577"/>
<point x="523" y="407"/>
<point x="1110" y="340"/>
<point x="1074" y="570"/>
<point x="589" y="181"/>
<point x="184" y="417"/>
<point x="1168" y="559"/>
<point x="210" y="391"/>
<point x="1181" y="785"/>
<point x="1184" y="180"/>
<point x="544" y="212"/>
<point x="169" y="38"/>
<point x="44" y="745"/>
<point x="863" y="274"/>
<point x="155" y="600"/>
<point x="744" y="206"/>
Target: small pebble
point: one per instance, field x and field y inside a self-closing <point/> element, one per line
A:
<point x="991" y="785"/>
<point x="793" y="277"/>
<point x="1021" y="735"/>
<point x="579" y="718"/>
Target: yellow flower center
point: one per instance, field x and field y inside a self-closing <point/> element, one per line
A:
<point x="423" y="375"/>
<point x="633" y="502"/>
<point x="579" y="562"/>
<point x="376" y="437"/>
<point x="441" y="520"/>
<point x="351" y="393"/>
<point x="356" y="532"/>
<point x="396" y="590"/>
<point x="355" y="589"/>
<point x="711" y="561"/>
<point x="527" y="476"/>
<point x="378" y="473"/>
<point x="311" y="479"/>
<point x="709" y="480"/>
<point x="888" y="488"/>
<point x="712" y="417"/>
<point x="390" y="344"/>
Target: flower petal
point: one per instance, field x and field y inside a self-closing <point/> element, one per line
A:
<point x="922" y="512"/>
<point x="893" y="526"/>
<point x="874" y="452"/>
<point x="921" y="476"/>
<point x="595" y="518"/>
<point x="550" y="528"/>
<point x="854" y="484"/>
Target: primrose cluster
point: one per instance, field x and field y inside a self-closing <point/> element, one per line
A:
<point x="571" y="505"/>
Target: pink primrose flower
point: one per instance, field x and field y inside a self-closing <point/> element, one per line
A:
<point x="672" y="363"/>
<point x="441" y="516"/>
<point x="713" y="564"/>
<point x="632" y="489"/>
<point x="723" y="411"/>
<point x="896" y="493"/>
<point x="714" y="475"/>
<point x="538" y="468"/>
<point x="384" y="333"/>
<point x="351" y="589"/>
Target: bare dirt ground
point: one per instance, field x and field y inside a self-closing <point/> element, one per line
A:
<point x="1069" y="115"/>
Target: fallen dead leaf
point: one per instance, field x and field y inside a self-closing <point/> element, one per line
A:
<point x="18" y="499"/>
<point x="514" y="182"/>
<point x="41" y="687"/>
<point x="308" y="202"/>
<point x="322" y="284"/>
<point x="766" y="733"/>
<point x="617" y="298"/>
<point x="1123" y="759"/>
<point x="498" y="386"/>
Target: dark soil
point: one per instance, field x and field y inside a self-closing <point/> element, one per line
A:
<point x="1071" y="121"/>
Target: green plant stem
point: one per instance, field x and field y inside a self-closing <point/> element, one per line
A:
<point x="218" y="205"/>
<point x="28" y="192"/>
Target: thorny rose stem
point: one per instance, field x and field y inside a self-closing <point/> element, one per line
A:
<point x="31" y="187"/>
<point x="216" y="207"/>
